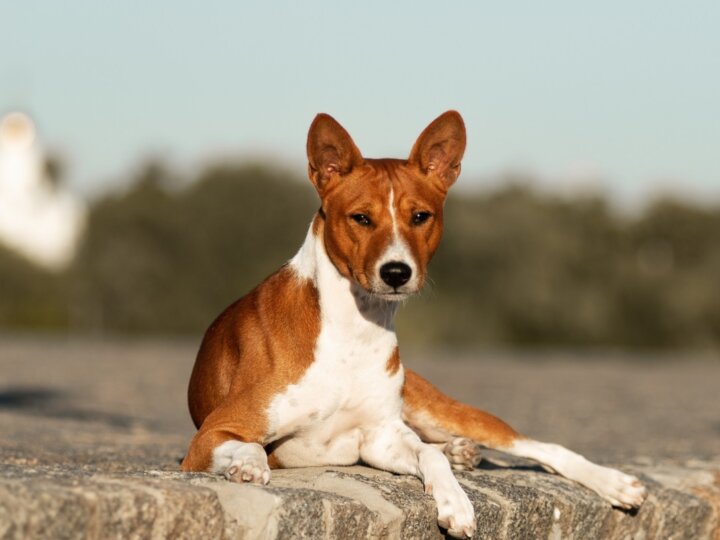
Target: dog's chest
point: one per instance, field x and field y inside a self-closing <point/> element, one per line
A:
<point x="345" y="392"/>
<point x="348" y="389"/>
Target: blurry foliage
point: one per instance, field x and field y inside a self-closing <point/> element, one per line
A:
<point x="29" y="296"/>
<point x="516" y="268"/>
<point x="159" y="259"/>
<point x="519" y="268"/>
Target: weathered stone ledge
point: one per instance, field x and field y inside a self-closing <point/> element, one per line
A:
<point x="52" y="502"/>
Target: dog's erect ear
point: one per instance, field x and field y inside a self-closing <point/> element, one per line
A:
<point x="440" y="147"/>
<point x="331" y="151"/>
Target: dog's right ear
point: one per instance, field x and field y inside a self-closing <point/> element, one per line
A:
<point x="331" y="152"/>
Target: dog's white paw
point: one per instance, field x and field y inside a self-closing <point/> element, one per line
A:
<point x="463" y="454"/>
<point x="455" y="512"/>
<point x="619" y="489"/>
<point x="242" y="462"/>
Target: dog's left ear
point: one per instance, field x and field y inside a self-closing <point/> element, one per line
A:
<point x="440" y="148"/>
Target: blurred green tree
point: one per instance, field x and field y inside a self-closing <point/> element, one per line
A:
<point x="30" y="297"/>
<point x="162" y="258"/>
<point x="516" y="267"/>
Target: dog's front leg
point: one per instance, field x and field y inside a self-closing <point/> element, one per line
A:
<point x="395" y="447"/>
<point x="225" y="445"/>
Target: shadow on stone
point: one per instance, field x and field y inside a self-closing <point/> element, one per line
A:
<point x="496" y="460"/>
<point x="27" y="397"/>
<point x="52" y="403"/>
<point x="487" y="465"/>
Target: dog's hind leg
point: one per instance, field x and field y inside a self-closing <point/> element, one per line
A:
<point x="438" y="418"/>
<point x="619" y="489"/>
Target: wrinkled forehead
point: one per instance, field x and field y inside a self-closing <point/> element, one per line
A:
<point x="379" y="180"/>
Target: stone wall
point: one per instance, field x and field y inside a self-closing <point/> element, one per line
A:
<point x="91" y="434"/>
<point x="347" y="502"/>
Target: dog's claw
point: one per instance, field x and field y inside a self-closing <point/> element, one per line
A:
<point x="248" y="464"/>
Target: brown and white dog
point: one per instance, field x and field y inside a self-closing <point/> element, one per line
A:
<point x="305" y="370"/>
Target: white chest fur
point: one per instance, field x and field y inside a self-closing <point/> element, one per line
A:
<point x="347" y="391"/>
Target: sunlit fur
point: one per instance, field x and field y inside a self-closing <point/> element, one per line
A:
<point x="305" y="369"/>
<point x="355" y="249"/>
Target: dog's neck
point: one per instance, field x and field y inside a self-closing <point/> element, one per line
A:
<point x="343" y="303"/>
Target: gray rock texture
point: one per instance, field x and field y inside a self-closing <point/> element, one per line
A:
<point x="91" y="435"/>
<point x="342" y="503"/>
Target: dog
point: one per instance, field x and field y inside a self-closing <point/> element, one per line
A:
<point x="305" y="370"/>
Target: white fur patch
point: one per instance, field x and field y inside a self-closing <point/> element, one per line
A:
<point x="347" y="389"/>
<point x="347" y="406"/>
<point x="304" y="260"/>
<point x="395" y="447"/>
<point x="396" y="251"/>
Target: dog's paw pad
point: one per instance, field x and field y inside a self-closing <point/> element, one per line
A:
<point x="463" y="454"/>
<point x="252" y="473"/>
<point x="247" y="464"/>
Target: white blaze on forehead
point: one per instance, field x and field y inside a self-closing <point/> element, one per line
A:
<point x="391" y="207"/>
<point x="397" y="250"/>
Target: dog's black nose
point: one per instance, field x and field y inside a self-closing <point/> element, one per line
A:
<point x="395" y="274"/>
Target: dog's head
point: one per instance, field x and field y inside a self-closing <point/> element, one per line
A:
<point x="383" y="217"/>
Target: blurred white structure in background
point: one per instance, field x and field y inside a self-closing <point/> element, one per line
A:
<point x="37" y="219"/>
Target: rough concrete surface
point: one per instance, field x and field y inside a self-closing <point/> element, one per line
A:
<point x="91" y="434"/>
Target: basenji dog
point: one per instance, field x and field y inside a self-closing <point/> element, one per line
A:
<point x="305" y="370"/>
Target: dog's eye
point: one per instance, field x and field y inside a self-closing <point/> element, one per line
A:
<point x="419" y="218"/>
<point x="362" y="219"/>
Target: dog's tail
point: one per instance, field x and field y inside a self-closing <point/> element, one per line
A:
<point x="438" y="418"/>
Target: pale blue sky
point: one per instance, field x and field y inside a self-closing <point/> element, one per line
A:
<point x="628" y="91"/>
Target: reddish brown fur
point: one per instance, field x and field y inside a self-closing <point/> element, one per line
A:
<point x="273" y="461"/>
<point x="265" y="341"/>
<point x="273" y="331"/>
<point x="460" y="420"/>
<point x="350" y="184"/>
<point x="355" y="249"/>
<point x="393" y="363"/>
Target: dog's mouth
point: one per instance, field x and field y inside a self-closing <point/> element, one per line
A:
<point x="378" y="298"/>
<point x="394" y="296"/>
